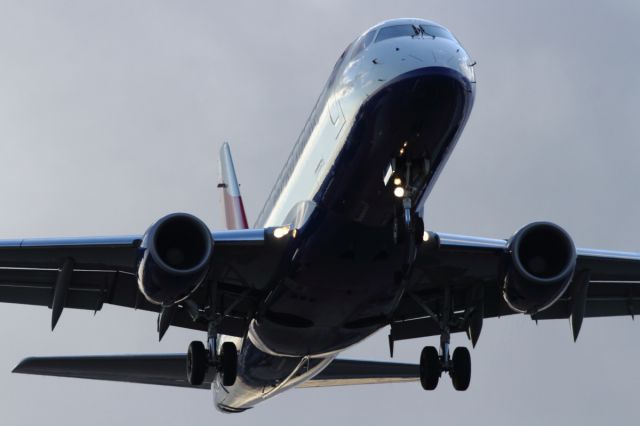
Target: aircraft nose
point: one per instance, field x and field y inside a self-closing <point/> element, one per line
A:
<point x="398" y="55"/>
<point x="453" y="56"/>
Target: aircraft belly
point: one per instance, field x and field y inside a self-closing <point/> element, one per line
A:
<point x="262" y="375"/>
<point x="345" y="277"/>
<point x="343" y="283"/>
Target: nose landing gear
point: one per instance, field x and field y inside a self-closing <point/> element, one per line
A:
<point x="404" y="178"/>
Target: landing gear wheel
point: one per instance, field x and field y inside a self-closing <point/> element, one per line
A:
<point x="197" y="363"/>
<point x="430" y="368"/>
<point x="461" y="369"/>
<point x="228" y="363"/>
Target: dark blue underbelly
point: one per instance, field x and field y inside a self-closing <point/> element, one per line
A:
<point x="345" y="274"/>
<point x="340" y="288"/>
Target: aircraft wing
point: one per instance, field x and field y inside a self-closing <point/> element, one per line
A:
<point x="103" y="271"/>
<point x="605" y="283"/>
<point x="169" y="370"/>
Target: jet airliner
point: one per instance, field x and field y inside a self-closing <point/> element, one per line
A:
<point x="338" y="252"/>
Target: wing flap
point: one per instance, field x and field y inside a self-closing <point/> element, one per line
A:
<point x="610" y="266"/>
<point x="88" y="289"/>
<point x="604" y="299"/>
<point x="97" y="253"/>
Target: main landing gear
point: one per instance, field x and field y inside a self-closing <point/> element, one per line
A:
<point x="405" y="176"/>
<point x="199" y="360"/>
<point x="433" y="364"/>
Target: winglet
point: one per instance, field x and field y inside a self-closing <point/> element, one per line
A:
<point x="235" y="215"/>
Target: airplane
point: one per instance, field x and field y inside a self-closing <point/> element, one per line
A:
<point x="338" y="252"/>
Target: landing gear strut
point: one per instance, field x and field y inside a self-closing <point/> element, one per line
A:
<point x="433" y="364"/>
<point x="408" y="225"/>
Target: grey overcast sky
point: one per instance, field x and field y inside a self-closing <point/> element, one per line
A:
<point x="112" y="113"/>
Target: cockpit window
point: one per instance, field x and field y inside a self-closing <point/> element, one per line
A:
<point x="396" y="31"/>
<point x="364" y="42"/>
<point x="434" y="31"/>
<point x="413" y="31"/>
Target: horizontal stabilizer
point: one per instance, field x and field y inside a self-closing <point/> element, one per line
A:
<point x="170" y="370"/>
<point x="167" y="370"/>
<point x="342" y="372"/>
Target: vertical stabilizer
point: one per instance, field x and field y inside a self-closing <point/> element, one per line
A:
<point x="234" y="213"/>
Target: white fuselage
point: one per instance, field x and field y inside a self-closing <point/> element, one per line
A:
<point x="366" y="67"/>
<point x="354" y="78"/>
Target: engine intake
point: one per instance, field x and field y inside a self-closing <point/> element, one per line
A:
<point x="540" y="267"/>
<point x="176" y="258"/>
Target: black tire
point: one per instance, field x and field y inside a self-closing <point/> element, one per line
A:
<point x="430" y="368"/>
<point x="197" y="363"/>
<point x="228" y="363"/>
<point x="461" y="372"/>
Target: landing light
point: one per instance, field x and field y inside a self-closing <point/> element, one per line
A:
<point x="397" y="181"/>
<point x="281" y="231"/>
<point x="399" y="192"/>
<point x="425" y="236"/>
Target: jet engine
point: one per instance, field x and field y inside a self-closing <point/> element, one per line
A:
<point x="540" y="267"/>
<point x="175" y="259"/>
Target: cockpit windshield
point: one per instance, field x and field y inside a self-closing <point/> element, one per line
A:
<point x="435" y="31"/>
<point x="364" y="42"/>
<point x="394" y="31"/>
<point x="408" y="30"/>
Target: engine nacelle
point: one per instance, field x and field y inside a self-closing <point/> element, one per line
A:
<point x="540" y="267"/>
<point x="176" y="258"/>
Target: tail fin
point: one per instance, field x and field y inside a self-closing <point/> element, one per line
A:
<point x="235" y="215"/>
